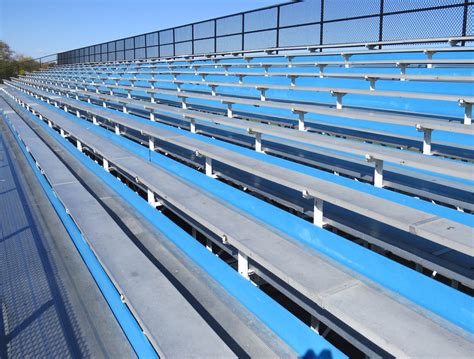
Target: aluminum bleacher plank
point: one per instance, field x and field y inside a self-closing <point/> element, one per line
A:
<point x="451" y="168"/>
<point x="299" y="271"/>
<point x="372" y="115"/>
<point x="148" y="293"/>
<point x="442" y="231"/>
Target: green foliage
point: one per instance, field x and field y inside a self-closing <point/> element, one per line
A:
<point x="12" y="65"/>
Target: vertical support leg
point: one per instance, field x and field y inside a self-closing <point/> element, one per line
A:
<point x="124" y="109"/>
<point x="339" y="100"/>
<point x="208" y="244"/>
<point x="468" y="114"/>
<point x="104" y="104"/>
<point x="94" y="120"/>
<point x="427" y="141"/>
<point x="192" y="125"/>
<point x="78" y="114"/>
<point x="63" y="134"/>
<point x="65" y="108"/>
<point x="150" y="197"/>
<point x="372" y="84"/>
<point x="258" y="142"/>
<point x="378" y="173"/>
<point x="243" y="265"/>
<point x="208" y="166"/>
<point x="117" y="129"/>
<point x="152" y="116"/>
<point x="262" y="94"/>
<point x="151" y="144"/>
<point x="229" y="110"/>
<point x="105" y="164"/>
<point x="79" y="145"/>
<point x="318" y="212"/>
<point x="315" y="323"/>
<point x="301" y="121"/>
<point x="184" y="106"/>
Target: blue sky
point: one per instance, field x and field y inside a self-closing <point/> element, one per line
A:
<point x="43" y="27"/>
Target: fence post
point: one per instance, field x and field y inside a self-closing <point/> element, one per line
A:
<point x="381" y="22"/>
<point x="277" y="42"/>
<point x="464" y="21"/>
<point x="243" y="32"/>
<point x="215" y="35"/>
<point x="321" y="32"/>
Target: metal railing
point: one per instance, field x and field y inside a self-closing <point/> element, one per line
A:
<point x="310" y="22"/>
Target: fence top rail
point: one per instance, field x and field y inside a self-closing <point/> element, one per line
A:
<point x="449" y="41"/>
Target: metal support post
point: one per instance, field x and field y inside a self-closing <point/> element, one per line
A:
<point x="243" y="265"/>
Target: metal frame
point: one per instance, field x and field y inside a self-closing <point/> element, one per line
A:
<point x="79" y="55"/>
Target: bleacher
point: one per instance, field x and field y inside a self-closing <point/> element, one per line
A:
<point x="308" y="201"/>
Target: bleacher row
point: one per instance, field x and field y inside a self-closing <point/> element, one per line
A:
<point x="344" y="185"/>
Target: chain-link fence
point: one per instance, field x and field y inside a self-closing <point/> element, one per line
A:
<point x="309" y="22"/>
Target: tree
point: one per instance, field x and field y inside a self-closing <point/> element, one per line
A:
<point x="12" y="65"/>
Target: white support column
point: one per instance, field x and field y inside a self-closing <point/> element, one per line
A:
<point x="209" y="167"/>
<point x="94" y="120"/>
<point x="243" y="265"/>
<point x="426" y="139"/>
<point x="378" y="170"/>
<point x="318" y="219"/>
<point x="300" y="120"/>
<point x="89" y="100"/>
<point x="50" y="124"/>
<point x="213" y="90"/>
<point x="65" y="108"/>
<point x="378" y="173"/>
<point x="63" y="134"/>
<point x="467" y="112"/>
<point x="192" y="125"/>
<point x="292" y="80"/>
<point x="129" y="94"/>
<point x="230" y="114"/>
<point x="105" y="164"/>
<point x="152" y="116"/>
<point x="258" y="142"/>
<point x="152" y="98"/>
<point x="151" y="143"/>
<point x="79" y="145"/>
<point x="208" y="244"/>
<point x="429" y="56"/>
<point x="262" y="94"/>
<point x="183" y="103"/>
<point x="104" y="104"/>
<point x="151" y="198"/>
<point x="403" y="68"/>
<point x="372" y="81"/>
<point x="78" y="114"/>
<point x="346" y="59"/>
<point x="315" y="323"/>
<point x="117" y="129"/>
<point x="124" y="109"/>
<point x="339" y="97"/>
